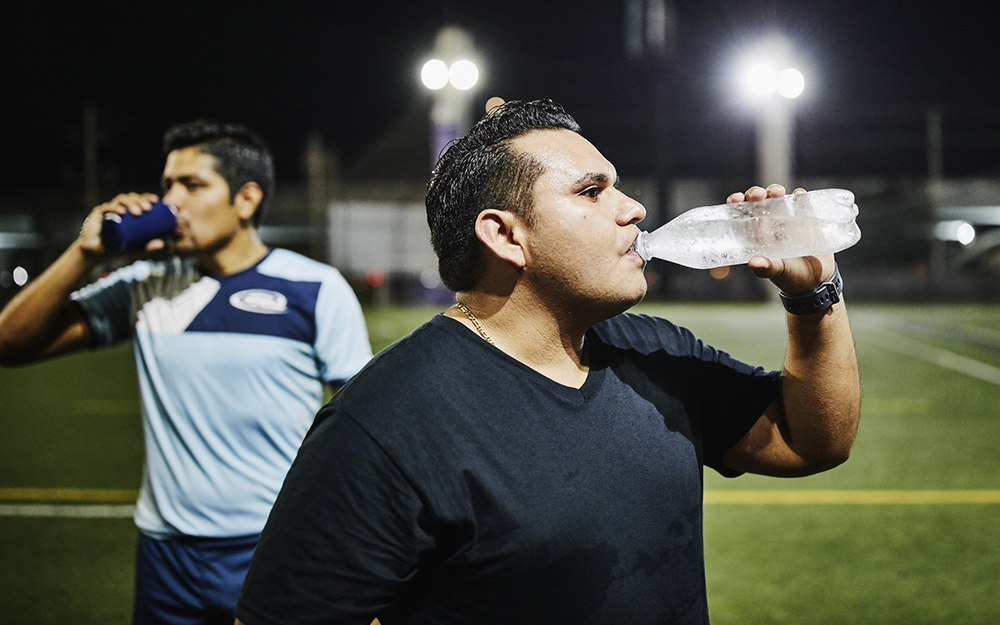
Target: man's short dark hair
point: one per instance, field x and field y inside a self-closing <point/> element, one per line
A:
<point x="241" y="156"/>
<point x="483" y="171"/>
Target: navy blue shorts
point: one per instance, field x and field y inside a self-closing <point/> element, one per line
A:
<point x="185" y="581"/>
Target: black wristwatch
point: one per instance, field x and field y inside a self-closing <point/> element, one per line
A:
<point x="817" y="300"/>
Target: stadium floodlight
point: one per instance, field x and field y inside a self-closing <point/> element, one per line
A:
<point x="769" y="67"/>
<point x="434" y="74"/>
<point x="463" y="74"/>
<point x="763" y="80"/>
<point x="790" y="83"/>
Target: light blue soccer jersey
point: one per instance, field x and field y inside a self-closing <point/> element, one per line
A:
<point x="230" y="371"/>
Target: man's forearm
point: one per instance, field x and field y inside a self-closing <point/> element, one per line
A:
<point x="821" y="392"/>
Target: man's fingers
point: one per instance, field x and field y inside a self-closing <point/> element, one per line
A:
<point x="134" y="203"/>
<point x="762" y="267"/>
<point x="756" y="194"/>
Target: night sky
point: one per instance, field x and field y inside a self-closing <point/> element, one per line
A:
<point x="349" y="69"/>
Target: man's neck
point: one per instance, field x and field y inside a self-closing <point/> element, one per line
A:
<point x="241" y="252"/>
<point x="529" y="332"/>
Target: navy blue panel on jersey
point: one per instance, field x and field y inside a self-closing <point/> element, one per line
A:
<point x="252" y="303"/>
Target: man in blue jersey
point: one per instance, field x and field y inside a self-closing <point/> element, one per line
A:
<point x="234" y="342"/>
<point x="534" y="454"/>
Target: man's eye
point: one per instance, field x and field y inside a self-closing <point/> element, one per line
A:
<point x="591" y="192"/>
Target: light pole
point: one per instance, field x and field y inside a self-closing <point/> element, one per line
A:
<point x="451" y="76"/>
<point x="773" y="85"/>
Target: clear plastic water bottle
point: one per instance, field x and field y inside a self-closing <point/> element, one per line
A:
<point x="804" y="224"/>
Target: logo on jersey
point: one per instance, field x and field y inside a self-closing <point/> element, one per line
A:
<point x="259" y="301"/>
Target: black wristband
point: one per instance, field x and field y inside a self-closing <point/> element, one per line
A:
<point x="817" y="300"/>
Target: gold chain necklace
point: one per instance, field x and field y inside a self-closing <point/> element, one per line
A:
<point x="475" y="322"/>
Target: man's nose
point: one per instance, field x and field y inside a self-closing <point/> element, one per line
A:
<point x="631" y="211"/>
<point x="171" y="195"/>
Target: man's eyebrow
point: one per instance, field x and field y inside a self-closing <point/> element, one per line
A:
<point x="181" y="178"/>
<point x="596" y="177"/>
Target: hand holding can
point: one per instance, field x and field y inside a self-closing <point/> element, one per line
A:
<point x="130" y="232"/>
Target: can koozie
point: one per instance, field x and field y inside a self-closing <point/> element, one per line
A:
<point x="132" y="232"/>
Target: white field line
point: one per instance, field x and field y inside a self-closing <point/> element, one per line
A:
<point x="712" y="497"/>
<point x="37" y="510"/>
<point x="857" y="497"/>
<point x="934" y="355"/>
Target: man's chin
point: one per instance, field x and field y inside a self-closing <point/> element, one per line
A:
<point x="185" y="248"/>
<point x="635" y="300"/>
<point x="626" y="302"/>
<point x="638" y="299"/>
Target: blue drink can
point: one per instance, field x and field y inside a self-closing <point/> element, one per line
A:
<point x="132" y="232"/>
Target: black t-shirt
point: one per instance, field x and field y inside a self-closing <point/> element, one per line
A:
<point x="450" y="483"/>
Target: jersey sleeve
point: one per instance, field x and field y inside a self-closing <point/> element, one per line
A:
<point x="343" y="537"/>
<point x="341" y="334"/>
<point x="107" y="306"/>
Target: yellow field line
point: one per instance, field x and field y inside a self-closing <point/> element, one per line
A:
<point x="69" y="494"/>
<point x="860" y="497"/>
<point x="770" y="497"/>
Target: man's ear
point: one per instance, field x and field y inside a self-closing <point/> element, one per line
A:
<point x="247" y="200"/>
<point x="501" y="232"/>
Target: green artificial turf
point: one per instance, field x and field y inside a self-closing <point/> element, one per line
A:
<point x="930" y="421"/>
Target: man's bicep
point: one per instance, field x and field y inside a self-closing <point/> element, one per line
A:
<point x="765" y="448"/>
<point x="71" y="333"/>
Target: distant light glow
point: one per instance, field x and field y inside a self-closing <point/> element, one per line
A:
<point x="719" y="273"/>
<point x="763" y="80"/>
<point x="650" y="275"/>
<point x="791" y="83"/>
<point x="430" y="278"/>
<point x="956" y="230"/>
<point x="20" y="276"/>
<point x="434" y="74"/>
<point x="493" y="102"/>
<point x="966" y="234"/>
<point x="463" y="75"/>
<point x="375" y="278"/>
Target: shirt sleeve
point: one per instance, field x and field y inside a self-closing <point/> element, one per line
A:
<point x="343" y="537"/>
<point x="341" y="334"/>
<point x="107" y="306"/>
<point x="723" y="396"/>
<point x="732" y="397"/>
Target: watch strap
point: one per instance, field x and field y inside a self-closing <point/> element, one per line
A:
<point x="819" y="299"/>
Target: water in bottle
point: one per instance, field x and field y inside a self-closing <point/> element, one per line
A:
<point x="804" y="224"/>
